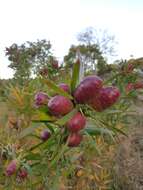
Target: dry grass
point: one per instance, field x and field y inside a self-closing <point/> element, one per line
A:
<point x="129" y="156"/>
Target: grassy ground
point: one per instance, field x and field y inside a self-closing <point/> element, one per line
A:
<point x="3" y="109"/>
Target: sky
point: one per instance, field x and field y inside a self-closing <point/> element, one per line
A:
<point x="60" y="20"/>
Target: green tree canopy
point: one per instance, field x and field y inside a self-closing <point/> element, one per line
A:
<point x="93" y="49"/>
<point x="29" y="58"/>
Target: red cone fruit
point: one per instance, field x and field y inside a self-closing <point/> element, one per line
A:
<point x="60" y="105"/>
<point x="88" y="88"/>
<point x="22" y="173"/>
<point x="40" y="99"/>
<point x="45" y="135"/>
<point x="76" y="123"/>
<point x="65" y="87"/>
<point x="74" y="139"/>
<point x="11" y="168"/>
<point x="130" y="68"/>
<point x="44" y="72"/>
<point x="55" y="64"/>
<point x="129" y="87"/>
<point x="106" y="97"/>
<point x="138" y="85"/>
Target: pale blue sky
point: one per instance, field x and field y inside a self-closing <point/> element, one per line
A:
<point x="60" y="21"/>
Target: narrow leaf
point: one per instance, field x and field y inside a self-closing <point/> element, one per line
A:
<point x="98" y="131"/>
<point x="50" y="126"/>
<point x="66" y="118"/>
<point x="29" y="169"/>
<point x="114" y="111"/>
<point x="75" y="75"/>
<point x="33" y="156"/>
<point x="119" y="131"/>
<point x="27" y="131"/>
<point x="56" y="89"/>
<point x="37" y="145"/>
<point x="42" y="117"/>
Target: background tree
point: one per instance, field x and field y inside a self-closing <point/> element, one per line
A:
<point x="90" y="55"/>
<point x="105" y="41"/>
<point x="94" y="50"/>
<point x="29" y="58"/>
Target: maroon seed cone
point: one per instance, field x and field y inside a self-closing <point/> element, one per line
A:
<point x="11" y="168"/>
<point x="138" y="85"/>
<point x="106" y="97"/>
<point x="40" y="99"/>
<point x="74" y="139"/>
<point x="129" y="87"/>
<point x="55" y="64"/>
<point x="76" y="123"/>
<point x="45" y="135"/>
<point x="22" y="173"/>
<point x="60" y="105"/>
<point x="44" y="72"/>
<point x="88" y="88"/>
<point x="130" y="68"/>
<point x="65" y="87"/>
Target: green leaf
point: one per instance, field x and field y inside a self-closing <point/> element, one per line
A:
<point x="111" y="78"/>
<point x="37" y="145"/>
<point x="119" y="131"/>
<point x="98" y="131"/>
<point x="92" y="129"/>
<point x="114" y="111"/>
<point x="33" y="135"/>
<point x="29" y="169"/>
<point x="27" y="131"/>
<point x="39" y="167"/>
<point x="48" y="143"/>
<point x="114" y="129"/>
<point x="66" y="118"/>
<point x="63" y="149"/>
<point x="42" y="117"/>
<point x="33" y="156"/>
<point x="56" y="88"/>
<point x="50" y="126"/>
<point x="75" y="75"/>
